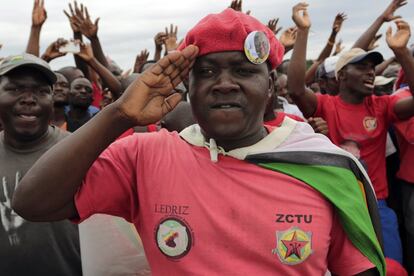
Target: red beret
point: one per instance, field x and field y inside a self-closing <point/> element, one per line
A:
<point x="227" y="31"/>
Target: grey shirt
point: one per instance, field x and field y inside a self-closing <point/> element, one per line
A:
<point x="33" y="248"/>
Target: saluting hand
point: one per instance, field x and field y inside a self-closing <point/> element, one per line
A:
<point x="151" y="96"/>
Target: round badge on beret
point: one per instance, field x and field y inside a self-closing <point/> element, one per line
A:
<point x="257" y="47"/>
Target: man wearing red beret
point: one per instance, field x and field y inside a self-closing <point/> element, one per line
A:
<point x="225" y="196"/>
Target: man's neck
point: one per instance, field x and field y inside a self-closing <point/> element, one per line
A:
<point x="77" y="112"/>
<point x="351" y="97"/>
<point x="23" y="144"/>
<point x="58" y="115"/>
<point x="232" y="144"/>
<point x="269" y="116"/>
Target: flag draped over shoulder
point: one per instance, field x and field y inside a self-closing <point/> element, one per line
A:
<point x="295" y="150"/>
<point x="352" y="197"/>
<point x="339" y="178"/>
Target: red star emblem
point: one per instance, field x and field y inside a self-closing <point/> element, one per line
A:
<point x="293" y="246"/>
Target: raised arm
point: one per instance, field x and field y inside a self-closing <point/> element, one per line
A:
<point x="272" y="25"/>
<point x="388" y="15"/>
<point x="52" y="51"/>
<point x="90" y="29"/>
<point x="380" y="68"/>
<point x="108" y="79"/>
<point x="145" y="101"/>
<point x="39" y="16"/>
<point x="304" y="98"/>
<point x="288" y="38"/>
<point x="159" y="41"/>
<point x="338" y="48"/>
<point x="326" y="51"/>
<point x="336" y="27"/>
<point x="404" y="108"/>
<point x="140" y="60"/>
<point x="77" y="35"/>
<point x="170" y="41"/>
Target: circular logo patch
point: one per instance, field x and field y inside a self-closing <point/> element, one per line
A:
<point x="173" y="238"/>
<point x="293" y="245"/>
<point x="257" y="47"/>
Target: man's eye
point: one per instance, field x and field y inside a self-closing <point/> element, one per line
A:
<point x="44" y="91"/>
<point x="206" y="72"/>
<point x="12" y="89"/>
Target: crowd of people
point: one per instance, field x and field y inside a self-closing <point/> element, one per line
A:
<point x="219" y="156"/>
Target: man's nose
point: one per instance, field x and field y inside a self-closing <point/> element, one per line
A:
<point x="28" y="97"/>
<point x="225" y="84"/>
<point x="371" y="71"/>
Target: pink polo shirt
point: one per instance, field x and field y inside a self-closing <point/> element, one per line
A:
<point x="197" y="217"/>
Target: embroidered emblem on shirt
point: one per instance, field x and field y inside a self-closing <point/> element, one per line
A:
<point x="173" y="237"/>
<point x="370" y="123"/>
<point x="293" y="246"/>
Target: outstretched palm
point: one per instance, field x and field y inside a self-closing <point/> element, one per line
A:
<point x="400" y="38"/>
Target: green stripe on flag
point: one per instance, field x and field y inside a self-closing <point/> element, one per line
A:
<point x="340" y="187"/>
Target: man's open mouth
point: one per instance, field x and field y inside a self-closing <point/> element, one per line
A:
<point x="369" y="83"/>
<point x="226" y="106"/>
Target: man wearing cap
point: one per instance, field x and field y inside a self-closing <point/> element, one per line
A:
<point x="355" y="114"/>
<point x="218" y="198"/>
<point x="26" y="107"/>
<point x="325" y="76"/>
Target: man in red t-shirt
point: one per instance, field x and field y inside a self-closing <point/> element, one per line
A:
<point x="357" y="119"/>
<point x="197" y="203"/>
<point x="405" y="137"/>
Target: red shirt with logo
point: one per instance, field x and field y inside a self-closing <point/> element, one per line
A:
<point x="405" y="138"/>
<point x="362" y="130"/>
<point x="197" y="217"/>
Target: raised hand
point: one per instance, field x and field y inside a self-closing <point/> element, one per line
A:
<point x="300" y="16"/>
<point x="400" y="39"/>
<point x="140" y="60"/>
<point x="337" y="24"/>
<point x="39" y="13"/>
<point x="273" y="25"/>
<point x="237" y="6"/>
<point x="338" y="47"/>
<point x="170" y="40"/>
<point x="372" y="45"/>
<point x="76" y="11"/>
<point x="288" y="37"/>
<point x="52" y="51"/>
<point x="159" y="39"/>
<point x="85" y="25"/>
<point x="85" y="52"/>
<point x="388" y="14"/>
<point x="151" y="96"/>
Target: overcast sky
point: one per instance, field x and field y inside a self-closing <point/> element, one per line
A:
<point x="128" y="26"/>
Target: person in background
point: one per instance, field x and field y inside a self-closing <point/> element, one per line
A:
<point x="355" y="114"/>
<point x="26" y="108"/>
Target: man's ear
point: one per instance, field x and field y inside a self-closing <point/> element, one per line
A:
<point x="341" y="74"/>
<point x="272" y="81"/>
